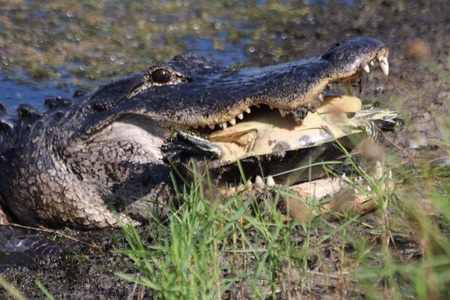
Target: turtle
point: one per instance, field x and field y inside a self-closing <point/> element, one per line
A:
<point x="288" y="154"/>
<point x="268" y="144"/>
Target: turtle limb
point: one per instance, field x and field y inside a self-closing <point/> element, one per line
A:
<point x="334" y="197"/>
<point x="180" y="145"/>
<point x="340" y="196"/>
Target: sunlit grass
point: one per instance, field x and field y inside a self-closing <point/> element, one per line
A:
<point x="242" y="246"/>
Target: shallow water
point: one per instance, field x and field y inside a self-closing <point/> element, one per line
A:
<point x="13" y="94"/>
<point x="53" y="49"/>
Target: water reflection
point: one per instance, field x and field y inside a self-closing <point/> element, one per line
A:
<point x="13" y="94"/>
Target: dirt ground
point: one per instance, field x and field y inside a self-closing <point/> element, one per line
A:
<point x="417" y="33"/>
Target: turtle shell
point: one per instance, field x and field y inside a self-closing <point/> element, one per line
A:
<point x="268" y="144"/>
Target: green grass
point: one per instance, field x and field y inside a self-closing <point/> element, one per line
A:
<point x="215" y="247"/>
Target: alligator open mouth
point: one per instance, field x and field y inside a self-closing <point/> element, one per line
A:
<point x="265" y="132"/>
<point x="263" y="127"/>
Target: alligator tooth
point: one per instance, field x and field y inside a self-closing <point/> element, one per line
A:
<point x="212" y="126"/>
<point x="372" y="63"/>
<point x="366" y="69"/>
<point x="248" y="110"/>
<point x="223" y="125"/>
<point x="282" y="112"/>
<point x="380" y="58"/>
<point x="384" y="64"/>
<point x="271" y="107"/>
<point x="232" y="122"/>
<point x="240" y="116"/>
<point x="321" y="96"/>
<point x="258" y="180"/>
<point x="270" y="181"/>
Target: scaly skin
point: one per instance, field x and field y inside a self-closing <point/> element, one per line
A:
<point x="61" y="167"/>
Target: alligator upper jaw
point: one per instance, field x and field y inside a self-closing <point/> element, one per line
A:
<point x="300" y="106"/>
<point x="239" y="113"/>
<point x="295" y="88"/>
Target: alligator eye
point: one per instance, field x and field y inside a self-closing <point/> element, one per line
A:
<point x="161" y="76"/>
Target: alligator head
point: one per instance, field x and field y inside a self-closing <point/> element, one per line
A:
<point x="66" y="166"/>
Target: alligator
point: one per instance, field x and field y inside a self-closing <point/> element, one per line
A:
<point x="82" y="161"/>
